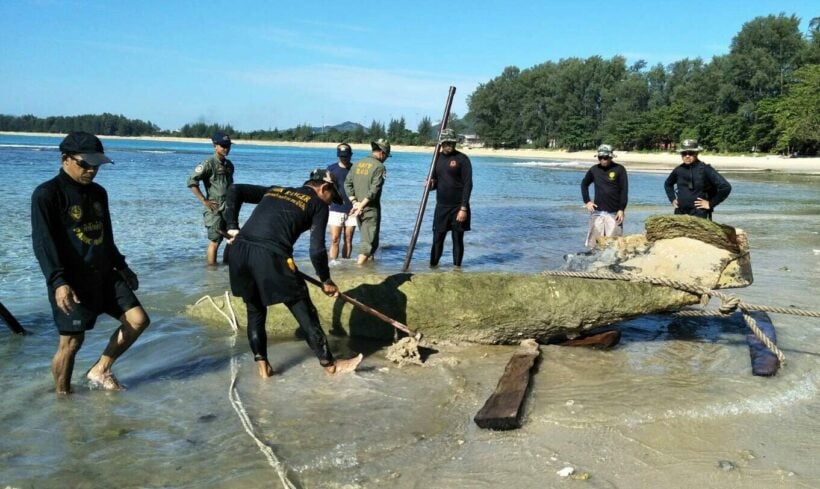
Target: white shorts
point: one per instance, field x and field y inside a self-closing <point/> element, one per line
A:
<point x="340" y="219"/>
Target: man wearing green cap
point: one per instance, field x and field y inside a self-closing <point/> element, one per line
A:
<point x="452" y="179"/>
<point x="611" y="195"/>
<point x="216" y="174"/>
<point x="85" y="273"/>
<point x="364" y="189"/>
<point x="695" y="188"/>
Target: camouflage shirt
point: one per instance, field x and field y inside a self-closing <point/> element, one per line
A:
<point x="216" y="176"/>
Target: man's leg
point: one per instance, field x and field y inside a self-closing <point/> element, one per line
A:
<point x="257" y="336"/>
<point x="348" y="246"/>
<point x="335" y="236"/>
<point x="305" y="313"/>
<point x="437" y="248"/>
<point x="62" y="365"/>
<point x="367" y="230"/>
<point x="132" y="323"/>
<point x="213" y="247"/>
<point x="458" y="247"/>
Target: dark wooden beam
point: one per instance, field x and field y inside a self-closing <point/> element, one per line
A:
<point x="503" y="408"/>
<point x="10" y="320"/>
<point x="764" y="362"/>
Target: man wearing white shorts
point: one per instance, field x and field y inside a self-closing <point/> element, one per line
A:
<point x="339" y="219"/>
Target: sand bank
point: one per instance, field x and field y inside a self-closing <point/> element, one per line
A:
<point x="634" y="161"/>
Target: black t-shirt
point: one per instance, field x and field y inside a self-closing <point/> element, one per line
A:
<point x="453" y="180"/>
<point x="611" y="187"/>
<point x="71" y="232"/>
<point x="281" y="216"/>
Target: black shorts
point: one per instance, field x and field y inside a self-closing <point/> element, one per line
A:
<point x="444" y="219"/>
<point x="259" y="273"/>
<point x="112" y="297"/>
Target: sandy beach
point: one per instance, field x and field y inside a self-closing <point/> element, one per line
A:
<point x="653" y="162"/>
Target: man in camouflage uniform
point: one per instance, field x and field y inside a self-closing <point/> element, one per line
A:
<point x="364" y="189"/>
<point x="216" y="173"/>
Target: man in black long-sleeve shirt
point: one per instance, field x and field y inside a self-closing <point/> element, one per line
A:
<point x="693" y="187"/>
<point x="85" y="273"/>
<point x="261" y="266"/>
<point x="611" y="196"/>
<point x="452" y="179"/>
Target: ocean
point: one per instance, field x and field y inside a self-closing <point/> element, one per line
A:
<point x="673" y="405"/>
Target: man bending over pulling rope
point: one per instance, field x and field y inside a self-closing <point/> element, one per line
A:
<point x="262" y="271"/>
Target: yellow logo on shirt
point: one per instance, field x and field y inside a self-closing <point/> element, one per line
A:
<point x="76" y="212"/>
<point x="611" y="176"/>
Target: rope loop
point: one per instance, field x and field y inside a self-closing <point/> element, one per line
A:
<point x="729" y="304"/>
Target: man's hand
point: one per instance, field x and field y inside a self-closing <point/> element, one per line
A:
<point x="590" y="206"/>
<point x="330" y="289"/>
<point x="702" y="204"/>
<point x="130" y="278"/>
<point x="619" y="217"/>
<point x="212" y="205"/>
<point x="461" y="216"/>
<point x="232" y="233"/>
<point x="66" y="298"/>
<point x="675" y="203"/>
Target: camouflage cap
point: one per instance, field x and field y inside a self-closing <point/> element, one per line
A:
<point x="605" y="150"/>
<point x="448" y="136"/>
<point x="689" y="145"/>
<point x="381" y="144"/>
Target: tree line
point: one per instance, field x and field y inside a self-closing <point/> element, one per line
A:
<point x="762" y="96"/>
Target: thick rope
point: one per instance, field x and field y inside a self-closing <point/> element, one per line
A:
<point x="236" y="401"/>
<point x="728" y="304"/>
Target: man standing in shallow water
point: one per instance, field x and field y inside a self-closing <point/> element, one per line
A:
<point x="611" y="195"/>
<point x="216" y="174"/>
<point x="364" y="189"/>
<point x="693" y="187"/>
<point x="342" y="224"/>
<point x="85" y="273"/>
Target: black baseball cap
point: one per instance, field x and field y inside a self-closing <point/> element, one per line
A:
<point x="321" y="175"/>
<point x="221" y="139"/>
<point x="85" y="145"/>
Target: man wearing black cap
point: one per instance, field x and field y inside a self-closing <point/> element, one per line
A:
<point x="216" y="173"/>
<point x="364" y="189"/>
<point x="261" y="266"/>
<point x="340" y="220"/>
<point x="85" y="273"/>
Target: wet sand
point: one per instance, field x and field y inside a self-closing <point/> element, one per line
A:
<point x="654" y="162"/>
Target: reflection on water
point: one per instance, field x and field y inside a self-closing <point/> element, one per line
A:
<point x="662" y="409"/>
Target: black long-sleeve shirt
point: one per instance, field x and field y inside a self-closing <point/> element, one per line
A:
<point x="453" y="180"/>
<point x="694" y="181"/>
<point x="282" y="214"/>
<point x="611" y="187"/>
<point x="71" y="232"/>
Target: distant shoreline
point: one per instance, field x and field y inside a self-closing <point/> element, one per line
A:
<point x="649" y="162"/>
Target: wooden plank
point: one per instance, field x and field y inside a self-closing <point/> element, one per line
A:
<point x="10" y="320"/>
<point x="503" y="408"/>
<point x="764" y="362"/>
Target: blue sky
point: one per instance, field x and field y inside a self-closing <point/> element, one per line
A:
<point x="266" y="64"/>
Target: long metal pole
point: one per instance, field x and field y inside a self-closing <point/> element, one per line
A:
<point x="426" y="194"/>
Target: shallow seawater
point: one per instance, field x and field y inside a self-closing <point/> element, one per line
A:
<point x="673" y="405"/>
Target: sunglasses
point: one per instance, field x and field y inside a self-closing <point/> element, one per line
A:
<point x="82" y="163"/>
<point x="604" y="157"/>
<point x="688" y="153"/>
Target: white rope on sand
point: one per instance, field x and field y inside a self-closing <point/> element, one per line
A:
<point x="236" y="401"/>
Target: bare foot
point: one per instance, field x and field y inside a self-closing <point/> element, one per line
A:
<point x="103" y="380"/>
<point x="264" y="368"/>
<point x="344" y="366"/>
